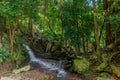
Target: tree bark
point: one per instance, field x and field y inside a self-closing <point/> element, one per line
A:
<point x="96" y="31"/>
<point x="30" y="26"/>
<point x="84" y="49"/>
<point x="107" y="25"/>
<point x="11" y="33"/>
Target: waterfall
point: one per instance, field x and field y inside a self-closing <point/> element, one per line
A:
<point x="51" y="66"/>
<point x="31" y="55"/>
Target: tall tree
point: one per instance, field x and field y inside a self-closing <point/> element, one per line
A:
<point x="107" y="25"/>
<point x="96" y="30"/>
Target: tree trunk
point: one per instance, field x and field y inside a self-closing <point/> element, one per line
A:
<point x="86" y="45"/>
<point x="107" y="25"/>
<point x="84" y="50"/>
<point x="96" y="31"/>
<point x="75" y="49"/>
<point x="30" y="26"/>
<point x="11" y="34"/>
<point x="108" y="34"/>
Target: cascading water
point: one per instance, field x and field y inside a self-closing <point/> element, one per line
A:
<point x="51" y="66"/>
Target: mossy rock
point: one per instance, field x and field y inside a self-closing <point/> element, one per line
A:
<point x="104" y="78"/>
<point x="118" y="47"/>
<point x="104" y="65"/>
<point x="115" y="70"/>
<point x="101" y="67"/>
<point x="110" y="47"/>
<point x="100" y="78"/>
<point x="81" y="65"/>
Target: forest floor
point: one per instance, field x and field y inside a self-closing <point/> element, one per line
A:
<point x="36" y="74"/>
<point x="26" y="73"/>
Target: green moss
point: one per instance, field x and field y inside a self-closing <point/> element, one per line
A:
<point x="100" y="78"/>
<point x="104" y="78"/>
<point x="115" y="70"/>
<point x="104" y="65"/>
<point x="47" y="78"/>
<point x="101" y="67"/>
<point x="81" y="65"/>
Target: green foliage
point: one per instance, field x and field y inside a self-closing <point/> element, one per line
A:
<point x="81" y="65"/>
<point x="4" y="55"/>
<point x="50" y="18"/>
<point x="18" y="59"/>
<point x="74" y="19"/>
<point x="13" y="11"/>
<point x="114" y="21"/>
<point x="66" y="20"/>
<point x="18" y="55"/>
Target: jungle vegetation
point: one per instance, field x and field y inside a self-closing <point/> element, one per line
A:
<point x="67" y="29"/>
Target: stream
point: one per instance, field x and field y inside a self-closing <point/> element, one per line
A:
<point x="46" y="64"/>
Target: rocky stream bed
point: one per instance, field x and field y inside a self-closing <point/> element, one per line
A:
<point x="26" y="73"/>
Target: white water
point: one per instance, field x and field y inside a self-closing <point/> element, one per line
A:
<point x="48" y="65"/>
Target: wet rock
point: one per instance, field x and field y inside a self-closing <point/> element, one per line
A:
<point x="35" y="65"/>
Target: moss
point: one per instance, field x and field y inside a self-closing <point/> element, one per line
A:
<point x="105" y="77"/>
<point x="115" y="70"/>
<point x="101" y="67"/>
<point x="100" y="78"/>
<point x="47" y="78"/>
<point x="104" y="65"/>
<point x="81" y="65"/>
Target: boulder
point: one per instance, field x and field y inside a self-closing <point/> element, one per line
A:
<point x="6" y="78"/>
<point x="81" y="65"/>
<point x="23" y="69"/>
